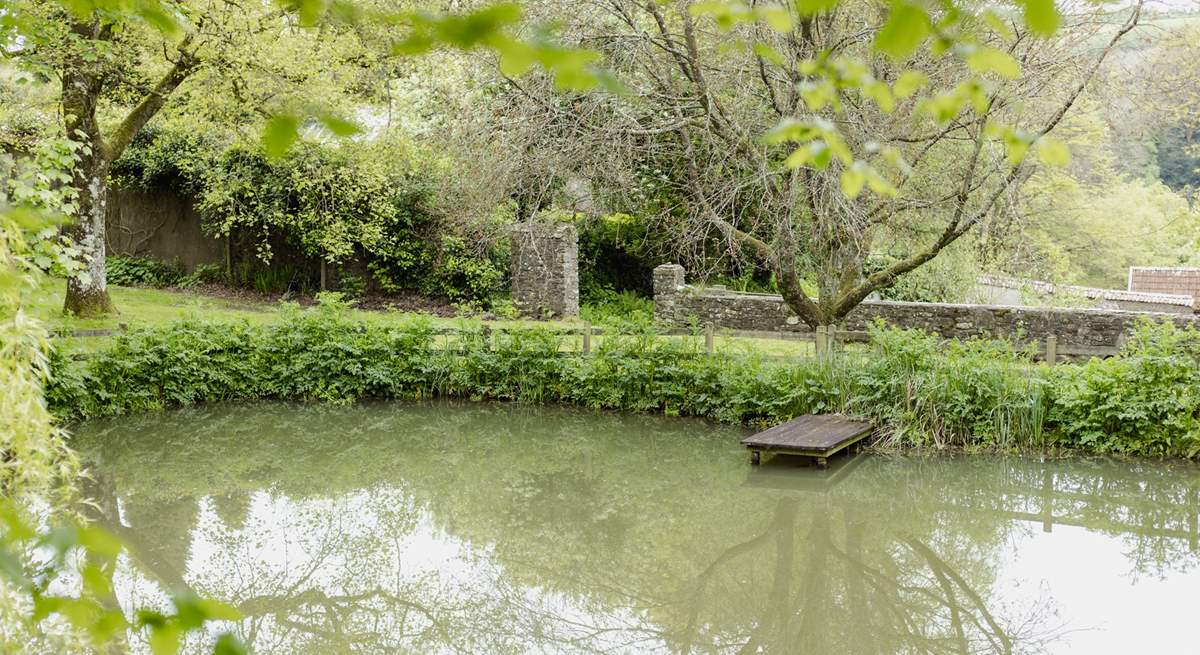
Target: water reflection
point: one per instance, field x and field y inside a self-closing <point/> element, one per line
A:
<point x="507" y="529"/>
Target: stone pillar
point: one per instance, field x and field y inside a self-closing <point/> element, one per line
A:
<point x="545" y="269"/>
<point x="668" y="280"/>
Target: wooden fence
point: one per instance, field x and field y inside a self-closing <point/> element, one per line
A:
<point x="825" y="339"/>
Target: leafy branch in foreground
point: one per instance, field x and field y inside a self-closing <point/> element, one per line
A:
<point x="38" y="562"/>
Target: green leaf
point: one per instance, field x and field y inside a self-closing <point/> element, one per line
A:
<point x="149" y="618"/>
<point x="96" y="581"/>
<point x="768" y="54"/>
<point x="108" y="625"/>
<point x="1053" y="152"/>
<point x="880" y="185"/>
<point x="419" y="42"/>
<point x="165" y="639"/>
<point x="1015" y="148"/>
<point x="776" y="17"/>
<point x="228" y="644"/>
<point x="852" y="181"/>
<point x="280" y="133"/>
<point x="1041" y="16"/>
<point x="881" y="93"/>
<point x="10" y="567"/>
<point x="816" y="153"/>
<point x="310" y="11"/>
<point x="339" y="126"/>
<point x="817" y="95"/>
<point x="515" y="57"/>
<point x="909" y="83"/>
<point x="810" y="7"/>
<point x="99" y="541"/>
<point x="997" y="24"/>
<point x="158" y="17"/>
<point x="470" y="30"/>
<point x="905" y="30"/>
<point x="193" y="611"/>
<point x="839" y="149"/>
<point x="993" y="60"/>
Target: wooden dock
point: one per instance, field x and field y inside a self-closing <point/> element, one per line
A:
<point x="813" y="435"/>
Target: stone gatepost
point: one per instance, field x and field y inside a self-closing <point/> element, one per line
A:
<point x="668" y="281"/>
<point x="545" y="269"/>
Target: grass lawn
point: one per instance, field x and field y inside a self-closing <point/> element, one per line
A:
<point x="140" y="308"/>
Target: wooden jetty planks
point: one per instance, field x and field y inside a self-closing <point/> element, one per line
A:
<point x="811" y="435"/>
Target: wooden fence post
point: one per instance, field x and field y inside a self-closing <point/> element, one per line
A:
<point x="587" y="338"/>
<point x="822" y="341"/>
<point x="1051" y="349"/>
<point x="708" y="338"/>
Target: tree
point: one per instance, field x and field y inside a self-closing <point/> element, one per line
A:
<point x="1166" y="91"/>
<point x="118" y="67"/>
<point x="805" y="138"/>
<point x="94" y="54"/>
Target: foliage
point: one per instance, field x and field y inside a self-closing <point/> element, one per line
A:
<point x="624" y="309"/>
<point x="921" y="391"/>
<point x="1088" y="226"/>
<point x="1145" y="402"/>
<point x="143" y="271"/>
<point x="30" y="440"/>
<point x="614" y="253"/>
<point x="949" y="278"/>
<point x="210" y="273"/>
<point x="463" y="275"/>
<point x="820" y="131"/>
<point x="978" y="391"/>
<point x="332" y="201"/>
<point x="80" y="559"/>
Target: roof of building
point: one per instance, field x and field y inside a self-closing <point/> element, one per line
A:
<point x="1041" y="287"/>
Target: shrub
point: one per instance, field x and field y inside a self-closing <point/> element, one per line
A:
<point x="462" y="275"/>
<point x="1146" y="402"/>
<point x="142" y="271"/>
<point x="920" y="391"/>
<point x="621" y="310"/>
<point x="205" y="274"/>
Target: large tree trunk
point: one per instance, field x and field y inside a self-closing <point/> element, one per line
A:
<point x="82" y="86"/>
<point x="87" y="293"/>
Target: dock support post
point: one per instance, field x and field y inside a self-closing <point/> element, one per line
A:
<point x="1047" y="500"/>
<point x="587" y="338"/>
<point x="755" y="458"/>
<point x="1051" y="349"/>
<point x="708" y="339"/>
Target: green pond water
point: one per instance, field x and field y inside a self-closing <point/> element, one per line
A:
<point x="493" y="528"/>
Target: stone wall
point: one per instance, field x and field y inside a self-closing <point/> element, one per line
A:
<point x="1156" y="279"/>
<point x="545" y="269"/>
<point x="678" y="303"/>
<point x="160" y="225"/>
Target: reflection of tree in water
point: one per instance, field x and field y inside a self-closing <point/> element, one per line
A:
<point x="568" y="531"/>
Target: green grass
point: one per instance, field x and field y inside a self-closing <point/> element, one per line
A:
<point x="148" y="308"/>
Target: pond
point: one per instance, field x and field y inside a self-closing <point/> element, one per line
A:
<point x="494" y="528"/>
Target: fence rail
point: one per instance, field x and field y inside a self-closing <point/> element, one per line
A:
<point x="825" y="339"/>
